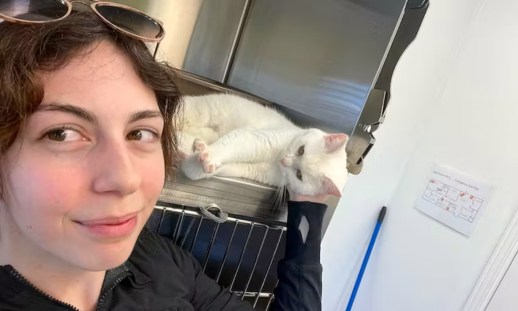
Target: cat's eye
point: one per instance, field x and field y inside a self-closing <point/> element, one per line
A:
<point x="301" y="150"/>
<point x="299" y="175"/>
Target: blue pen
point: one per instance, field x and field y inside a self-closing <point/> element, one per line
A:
<point x="366" y="258"/>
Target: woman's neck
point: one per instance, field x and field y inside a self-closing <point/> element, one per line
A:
<point x="54" y="276"/>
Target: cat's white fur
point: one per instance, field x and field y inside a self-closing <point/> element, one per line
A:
<point x="227" y="135"/>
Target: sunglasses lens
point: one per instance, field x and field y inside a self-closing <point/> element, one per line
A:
<point x="130" y="21"/>
<point x="33" y="10"/>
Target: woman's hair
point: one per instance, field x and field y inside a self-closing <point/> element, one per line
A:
<point x="26" y="51"/>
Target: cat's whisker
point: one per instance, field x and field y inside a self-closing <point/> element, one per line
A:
<point x="279" y="199"/>
<point x="275" y="199"/>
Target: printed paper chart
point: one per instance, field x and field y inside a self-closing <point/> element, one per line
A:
<point x="454" y="199"/>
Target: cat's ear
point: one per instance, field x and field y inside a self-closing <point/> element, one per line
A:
<point x="331" y="188"/>
<point x="334" y="142"/>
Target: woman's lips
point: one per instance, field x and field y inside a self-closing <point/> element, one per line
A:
<point x="113" y="227"/>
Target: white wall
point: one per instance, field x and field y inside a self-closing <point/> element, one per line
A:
<point x="505" y="298"/>
<point x="454" y="102"/>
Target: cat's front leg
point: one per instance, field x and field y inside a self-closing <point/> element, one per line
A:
<point x="208" y="162"/>
<point x="185" y="143"/>
<point x="227" y="149"/>
<point x="191" y="168"/>
<point x="266" y="173"/>
<point x="245" y="146"/>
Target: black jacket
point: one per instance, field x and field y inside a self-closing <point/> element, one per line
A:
<point x="159" y="276"/>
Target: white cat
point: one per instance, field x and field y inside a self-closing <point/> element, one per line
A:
<point x="230" y="136"/>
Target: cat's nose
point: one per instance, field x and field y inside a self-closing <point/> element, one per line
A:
<point x="286" y="162"/>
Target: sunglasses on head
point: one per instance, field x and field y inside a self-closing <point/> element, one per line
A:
<point x="122" y="18"/>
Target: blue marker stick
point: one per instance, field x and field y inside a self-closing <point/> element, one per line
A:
<point x="366" y="258"/>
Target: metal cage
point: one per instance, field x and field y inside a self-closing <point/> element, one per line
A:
<point x="239" y="253"/>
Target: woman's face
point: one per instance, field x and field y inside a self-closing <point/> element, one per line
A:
<point x="83" y="178"/>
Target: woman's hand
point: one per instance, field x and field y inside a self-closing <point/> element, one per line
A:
<point x="319" y="198"/>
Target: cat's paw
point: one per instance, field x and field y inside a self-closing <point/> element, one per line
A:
<point x="210" y="165"/>
<point x="184" y="149"/>
<point x="199" y="145"/>
<point x="193" y="169"/>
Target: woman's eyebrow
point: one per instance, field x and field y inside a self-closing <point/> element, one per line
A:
<point x="144" y="114"/>
<point x="90" y="117"/>
<point x="78" y="112"/>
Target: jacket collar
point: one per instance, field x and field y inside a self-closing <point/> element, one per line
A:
<point x="137" y="278"/>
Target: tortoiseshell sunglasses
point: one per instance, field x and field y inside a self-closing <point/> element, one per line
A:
<point x="125" y="19"/>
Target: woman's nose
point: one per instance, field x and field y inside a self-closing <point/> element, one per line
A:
<point x="115" y="170"/>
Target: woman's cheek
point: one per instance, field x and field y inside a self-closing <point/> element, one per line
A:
<point x="41" y="200"/>
<point x="153" y="175"/>
<point x="50" y="188"/>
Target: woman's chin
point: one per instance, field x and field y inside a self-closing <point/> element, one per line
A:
<point x="95" y="255"/>
<point x="104" y="259"/>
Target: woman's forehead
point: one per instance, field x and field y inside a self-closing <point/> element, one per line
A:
<point x="100" y="79"/>
<point x="99" y="60"/>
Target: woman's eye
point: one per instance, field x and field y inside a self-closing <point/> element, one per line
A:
<point x="64" y="135"/>
<point x="299" y="175"/>
<point x="142" y="135"/>
<point x="301" y="150"/>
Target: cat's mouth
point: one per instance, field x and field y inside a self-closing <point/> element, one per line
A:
<point x="284" y="171"/>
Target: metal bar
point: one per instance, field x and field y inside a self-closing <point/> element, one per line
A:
<point x="196" y="235"/>
<point x="270" y="301"/>
<point x="269" y="266"/>
<point x="229" y="219"/>
<point x="179" y="228"/>
<point x="226" y="251"/>
<point x="257" y="295"/>
<point x="241" y="256"/>
<point x="211" y="243"/>
<point x="272" y="295"/>
<point x="253" y="294"/>
<point x="255" y="262"/>
<point x="235" y="42"/>
<point x="161" y="220"/>
<point x="187" y="232"/>
<point x="177" y="225"/>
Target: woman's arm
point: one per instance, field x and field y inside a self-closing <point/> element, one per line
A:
<point x="300" y="272"/>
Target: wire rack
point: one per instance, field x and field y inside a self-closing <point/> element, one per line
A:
<point x="241" y="254"/>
